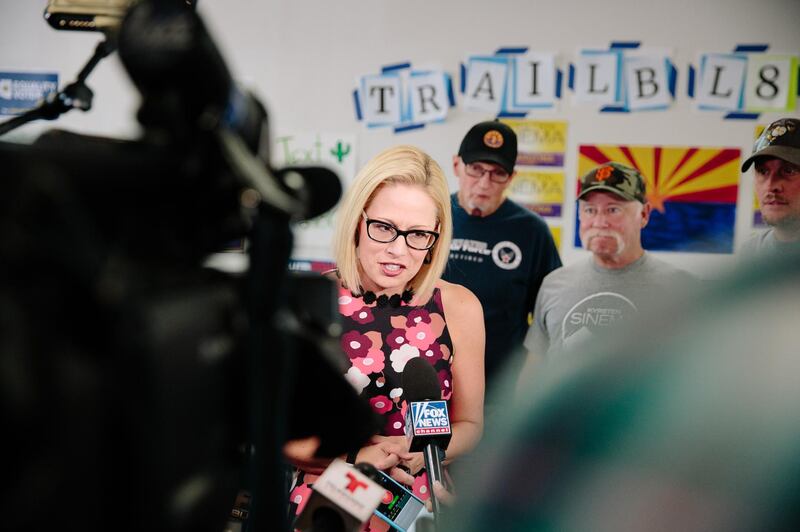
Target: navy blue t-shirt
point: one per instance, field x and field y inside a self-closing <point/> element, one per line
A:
<point x="502" y="258"/>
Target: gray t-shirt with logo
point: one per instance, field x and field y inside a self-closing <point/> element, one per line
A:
<point x="578" y="301"/>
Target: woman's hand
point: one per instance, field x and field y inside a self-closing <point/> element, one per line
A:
<point x="442" y="495"/>
<point x="392" y="452"/>
<point x="414" y="464"/>
<point x="385" y="452"/>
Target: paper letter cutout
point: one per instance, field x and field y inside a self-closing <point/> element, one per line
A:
<point x="771" y="83"/>
<point x="534" y="80"/>
<point x="486" y="82"/>
<point x="381" y="98"/>
<point x="597" y="77"/>
<point x="721" y="81"/>
<point x="428" y="97"/>
<point x="647" y="82"/>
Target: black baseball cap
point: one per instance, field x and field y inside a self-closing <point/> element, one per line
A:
<point x="624" y="181"/>
<point x="780" y="139"/>
<point x="491" y="142"/>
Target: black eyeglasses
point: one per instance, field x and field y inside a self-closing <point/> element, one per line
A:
<point x="477" y="171"/>
<point x="385" y="232"/>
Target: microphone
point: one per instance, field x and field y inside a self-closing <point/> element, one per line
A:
<point x="427" y="423"/>
<point x="342" y="500"/>
<point x="188" y="91"/>
<point x="317" y="188"/>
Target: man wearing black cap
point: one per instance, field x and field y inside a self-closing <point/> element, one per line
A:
<point x="617" y="282"/>
<point x="500" y="250"/>
<point x="776" y="163"/>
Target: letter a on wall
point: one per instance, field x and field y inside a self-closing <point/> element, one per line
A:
<point x="486" y="84"/>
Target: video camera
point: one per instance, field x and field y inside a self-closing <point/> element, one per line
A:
<point x="141" y="388"/>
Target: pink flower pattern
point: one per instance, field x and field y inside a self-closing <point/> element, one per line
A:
<point x="355" y="344"/>
<point x="349" y="304"/>
<point x="371" y="363"/>
<point x="363" y="315"/>
<point x="416" y="316"/>
<point x="381" y="404"/>
<point x="446" y="383"/>
<point x="432" y="353"/>
<point x="300" y="496"/>
<point x="420" y="487"/>
<point x="372" y="336"/>
<point x="394" y="424"/>
<point x="420" y="335"/>
<point x="397" y="338"/>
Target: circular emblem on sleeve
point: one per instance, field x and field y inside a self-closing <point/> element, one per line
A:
<point x="506" y="255"/>
<point x="493" y="138"/>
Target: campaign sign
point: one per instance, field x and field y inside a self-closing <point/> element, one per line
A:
<point x="20" y="91"/>
<point x="429" y="417"/>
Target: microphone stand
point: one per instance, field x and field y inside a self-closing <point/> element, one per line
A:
<point x="433" y="465"/>
<point x="76" y="95"/>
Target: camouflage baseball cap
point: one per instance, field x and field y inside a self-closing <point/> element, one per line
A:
<point x="780" y="139"/>
<point x="616" y="178"/>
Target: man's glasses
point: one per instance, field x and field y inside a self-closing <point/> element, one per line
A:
<point x="385" y="232"/>
<point x="497" y="175"/>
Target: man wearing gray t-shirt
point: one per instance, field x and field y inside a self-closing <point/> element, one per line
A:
<point x="618" y="281"/>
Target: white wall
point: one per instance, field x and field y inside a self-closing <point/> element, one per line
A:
<point x="303" y="58"/>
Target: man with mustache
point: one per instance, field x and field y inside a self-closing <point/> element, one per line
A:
<point x="618" y="280"/>
<point x="500" y="250"/>
<point x="776" y="164"/>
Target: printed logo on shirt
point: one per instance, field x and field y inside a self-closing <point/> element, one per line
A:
<point x="468" y="250"/>
<point x="507" y="255"/>
<point x="593" y="313"/>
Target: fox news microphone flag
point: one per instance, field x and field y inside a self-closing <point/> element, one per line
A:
<point x="427" y="423"/>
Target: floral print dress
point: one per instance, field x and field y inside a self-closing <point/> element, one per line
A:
<point x="379" y="341"/>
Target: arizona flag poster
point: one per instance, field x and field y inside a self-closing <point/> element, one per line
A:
<point x="692" y="190"/>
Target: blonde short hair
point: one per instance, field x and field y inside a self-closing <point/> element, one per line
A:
<point x="401" y="165"/>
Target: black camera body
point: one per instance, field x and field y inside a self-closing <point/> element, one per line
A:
<point x="142" y="389"/>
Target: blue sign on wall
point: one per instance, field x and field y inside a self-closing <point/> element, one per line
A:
<point x="20" y="91"/>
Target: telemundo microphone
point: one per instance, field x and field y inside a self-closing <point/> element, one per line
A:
<point x="427" y="422"/>
<point x="342" y="500"/>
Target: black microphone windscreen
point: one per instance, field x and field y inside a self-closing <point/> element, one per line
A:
<point x="318" y="188"/>
<point x="368" y="470"/>
<point x="420" y="382"/>
<point x="326" y="519"/>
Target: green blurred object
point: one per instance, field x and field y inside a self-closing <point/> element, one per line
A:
<point x="689" y="421"/>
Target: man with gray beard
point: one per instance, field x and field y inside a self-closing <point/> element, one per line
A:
<point x="619" y="280"/>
